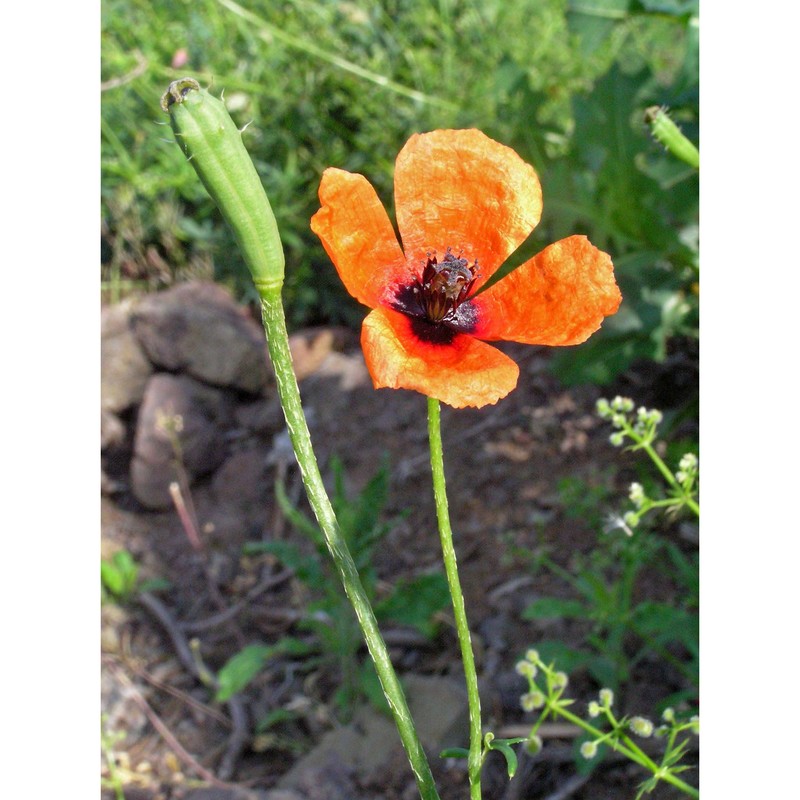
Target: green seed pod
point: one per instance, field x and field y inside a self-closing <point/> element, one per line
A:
<point x="213" y="144"/>
<point x="669" y="134"/>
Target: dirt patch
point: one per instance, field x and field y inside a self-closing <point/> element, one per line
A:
<point x="505" y="466"/>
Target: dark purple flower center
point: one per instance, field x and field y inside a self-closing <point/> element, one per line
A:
<point x="440" y="296"/>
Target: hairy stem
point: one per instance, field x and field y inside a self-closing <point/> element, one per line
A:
<point x="278" y="342"/>
<point x="459" y="610"/>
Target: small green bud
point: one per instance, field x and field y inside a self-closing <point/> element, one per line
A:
<point x="532" y="700"/>
<point x="594" y="709"/>
<point x="606" y="698"/>
<point x="617" y="438"/>
<point x="589" y="750"/>
<point x="668" y="715"/>
<point x="695" y="720"/>
<point x="641" y="726"/>
<point x="533" y="745"/>
<point x="631" y="519"/>
<point x="662" y="730"/>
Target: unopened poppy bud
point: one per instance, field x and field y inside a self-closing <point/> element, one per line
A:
<point x="666" y="132"/>
<point x="532" y="700"/>
<point x="641" y="726"/>
<point x="589" y="750"/>
<point x="606" y="698"/>
<point x="533" y="745"/>
<point x="213" y="144"/>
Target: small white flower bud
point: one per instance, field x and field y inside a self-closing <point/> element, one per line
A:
<point x="636" y="494"/>
<point x="606" y="698"/>
<point x="560" y="680"/>
<point x="594" y="709"/>
<point x="532" y="655"/>
<point x="532" y="700"/>
<point x="589" y="749"/>
<point x="603" y="408"/>
<point x="641" y="726"/>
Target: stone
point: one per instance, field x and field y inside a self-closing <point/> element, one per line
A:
<point x="367" y="745"/>
<point x="199" y="415"/>
<point x="242" y="479"/>
<point x="198" y="328"/>
<point x="124" y="367"/>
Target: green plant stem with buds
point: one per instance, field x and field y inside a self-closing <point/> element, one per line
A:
<point x="556" y="706"/>
<point x="475" y="758"/>
<point x="213" y="144"/>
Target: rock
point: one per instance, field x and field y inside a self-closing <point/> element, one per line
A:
<point x="261" y="416"/>
<point x="124" y="368"/>
<point x="234" y="793"/>
<point x="112" y="430"/>
<point x="242" y="479"/>
<point x="198" y="413"/>
<point x="366" y="746"/>
<point x="197" y="328"/>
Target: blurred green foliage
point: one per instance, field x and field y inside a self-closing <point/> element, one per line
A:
<point x="328" y="614"/>
<point x="335" y="83"/>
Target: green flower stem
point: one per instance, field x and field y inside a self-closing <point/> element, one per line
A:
<point x="631" y="751"/>
<point x="459" y="611"/>
<point x="278" y="342"/>
<point x="667" y="473"/>
<point x="213" y="145"/>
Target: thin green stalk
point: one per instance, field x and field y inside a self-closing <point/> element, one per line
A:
<point x="667" y="473"/>
<point x="278" y="343"/>
<point x="459" y="610"/>
<point x="631" y="751"/>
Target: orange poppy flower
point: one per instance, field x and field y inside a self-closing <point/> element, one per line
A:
<point x="464" y="203"/>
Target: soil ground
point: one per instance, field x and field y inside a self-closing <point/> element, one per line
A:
<point x="505" y="466"/>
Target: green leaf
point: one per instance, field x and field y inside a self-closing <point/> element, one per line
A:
<point x="554" y="608"/>
<point x="307" y="568"/>
<point x="119" y="575"/>
<point x="454" y="752"/>
<point x="415" y="602"/>
<point x="504" y="746"/>
<point x="565" y="658"/>
<point x="248" y="662"/>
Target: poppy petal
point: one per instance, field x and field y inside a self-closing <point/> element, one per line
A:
<point x="359" y="238"/>
<point x="402" y="353"/>
<point x="463" y="190"/>
<point x="559" y="297"/>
